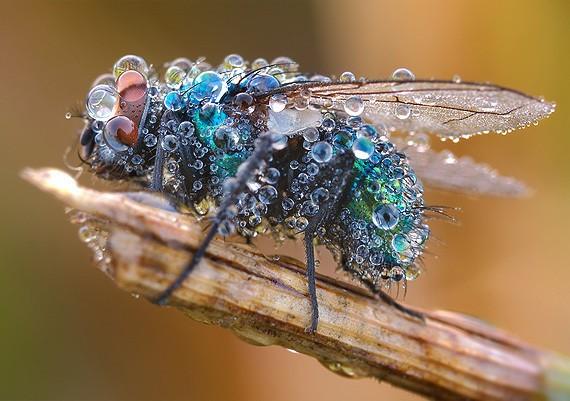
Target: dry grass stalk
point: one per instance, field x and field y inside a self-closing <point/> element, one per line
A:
<point x="264" y="301"/>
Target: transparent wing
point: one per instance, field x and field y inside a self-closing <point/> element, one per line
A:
<point x="443" y="170"/>
<point x="446" y="108"/>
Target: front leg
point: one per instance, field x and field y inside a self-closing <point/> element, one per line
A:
<point x="234" y="187"/>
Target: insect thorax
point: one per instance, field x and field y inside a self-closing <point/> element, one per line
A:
<point x="330" y="171"/>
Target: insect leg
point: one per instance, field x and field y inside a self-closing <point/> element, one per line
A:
<point x="310" y="260"/>
<point x="234" y="186"/>
<point x="345" y="162"/>
<point x="157" y="173"/>
<point x="387" y="299"/>
<point x="159" y="158"/>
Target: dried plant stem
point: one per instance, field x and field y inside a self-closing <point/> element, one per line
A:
<point x="264" y="301"/>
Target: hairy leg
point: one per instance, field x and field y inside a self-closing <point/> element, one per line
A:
<point x="393" y="303"/>
<point x="345" y="162"/>
<point x="310" y="261"/>
<point x="234" y="188"/>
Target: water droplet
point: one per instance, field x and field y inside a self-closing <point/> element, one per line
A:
<point x="300" y="103"/>
<point x="150" y="140"/>
<point x="311" y="134"/>
<point x="267" y="194"/>
<point x="376" y="257"/>
<point x="101" y="102"/>
<point x="278" y="102"/>
<point x="87" y="233"/>
<point x="197" y="185"/>
<point x="226" y="138"/>
<point x="403" y="74"/>
<point x="173" y="101"/>
<point x="262" y="83"/>
<point x="279" y="141"/>
<point x="412" y="272"/>
<point x="172" y="166"/>
<point x="234" y="61"/>
<point x="247" y="201"/>
<point x="328" y="124"/>
<point x="397" y="273"/>
<point x="319" y="195"/>
<point x="272" y="175"/>
<point x="287" y="204"/>
<point x="244" y="102"/>
<point x="354" y="106"/>
<point x="321" y="152"/>
<point x="342" y="369"/>
<point x="137" y="160"/>
<point x="363" y="148"/>
<point x="209" y="84"/>
<point x="403" y="111"/>
<point x="343" y="139"/>
<point x="301" y="223"/>
<point x="130" y="62"/>
<point x="386" y="216"/>
<point x="259" y="63"/>
<point x="312" y="169"/>
<point x="174" y="77"/>
<point x="186" y="129"/>
<point x="347" y="76"/>
<point x="169" y="143"/>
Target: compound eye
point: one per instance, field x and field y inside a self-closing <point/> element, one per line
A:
<point x="131" y="86"/>
<point x="120" y="133"/>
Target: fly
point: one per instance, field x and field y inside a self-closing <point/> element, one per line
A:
<point x="262" y="148"/>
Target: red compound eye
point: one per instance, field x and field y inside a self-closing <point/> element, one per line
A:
<point x="120" y="133"/>
<point x="131" y="86"/>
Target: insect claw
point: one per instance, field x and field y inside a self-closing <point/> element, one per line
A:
<point x="162" y="299"/>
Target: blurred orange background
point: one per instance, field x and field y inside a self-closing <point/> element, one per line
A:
<point x="66" y="333"/>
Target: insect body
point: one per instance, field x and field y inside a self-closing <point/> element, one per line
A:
<point x="262" y="148"/>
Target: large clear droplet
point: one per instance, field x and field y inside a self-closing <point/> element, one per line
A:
<point x="400" y="243"/>
<point x="321" y="152"/>
<point x="311" y="134"/>
<point x="403" y="111"/>
<point x="233" y="61"/>
<point x="226" y="138"/>
<point x="347" y="76"/>
<point x="209" y="84"/>
<point x="279" y="141"/>
<point x="173" y="101"/>
<point x="101" y="102"/>
<point x="403" y="74"/>
<point x="169" y="143"/>
<point x="174" y="77"/>
<point x="278" y="102"/>
<point x="386" y="217"/>
<point x="354" y="106"/>
<point x="130" y="62"/>
<point x="267" y="194"/>
<point x="263" y="83"/>
<point x="363" y="148"/>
